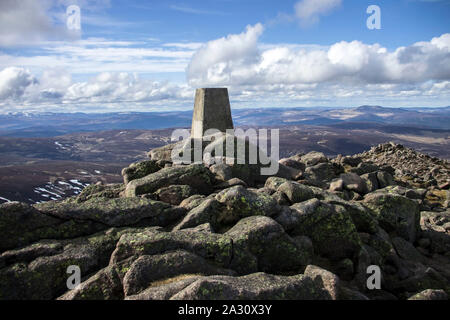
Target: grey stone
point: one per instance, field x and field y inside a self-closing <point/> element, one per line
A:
<point x="240" y="202"/>
<point x="330" y="281"/>
<point x="332" y="231"/>
<point x="257" y="286"/>
<point x="321" y="173"/>
<point x="164" y="291"/>
<point x="406" y="250"/>
<point x="114" y="212"/>
<point x="430" y="294"/>
<point x="290" y="217"/>
<point x="139" y="170"/>
<point x="281" y="198"/>
<point x="222" y="171"/>
<point x="207" y="212"/>
<point x="337" y="185"/>
<point x="211" y="111"/>
<point x="364" y="168"/>
<point x="371" y="181"/>
<point x="45" y="277"/>
<point x="192" y="202"/>
<point x="385" y="179"/>
<point x="147" y="269"/>
<point x="195" y="175"/>
<point x="275" y="250"/>
<point x="296" y="192"/>
<point x="274" y="182"/>
<point x="99" y="191"/>
<point x="174" y="194"/>
<point x="290" y="162"/>
<point x="231" y="183"/>
<point x="354" y="182"/>
<point x="395" y="213"/>
<point x="163" y="153"/>
<point x="312" y="158"/>
<point x="103" y="285"/>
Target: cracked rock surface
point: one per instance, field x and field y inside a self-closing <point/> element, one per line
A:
<point x="218" y="231"/>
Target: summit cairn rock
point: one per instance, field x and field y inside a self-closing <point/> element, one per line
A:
<point x="211" y="111"/>
<point x="214" y="141"/>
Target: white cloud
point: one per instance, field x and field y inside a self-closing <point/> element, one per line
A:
<point x="28" y="22"/>
<point x="109" y="76"/>
<point x="32" y="22"/>
<point x="309" y="11"/>
<point x="122" y="87"/>
<point x="55" y="89"/>
<point x="195" y="11"/>
<point x="213" y="60"/>
<point x="236" y="60"/>
<point x="95" y="55"/>
<point x="14" y="82"/>
<point x="184" y="45"/>
<point x="351" y="72"/>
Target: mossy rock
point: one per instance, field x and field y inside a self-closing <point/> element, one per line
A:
<point x="296" y="192"/>
<point x="208" y="211"/>
<point x="45" y="277"/>
<point x="196" y="175"/>
<point x="266" y="240"/>
<point x="192" y="202"/>
<point x="273" y="183"/>
<point x="114" y="212"/>
<point x="163" y="153"/>
<point x="430" y="294"/>
<point x="240" y="203"/>
<point x="99" y="191"/>
<point x="395" y="213"/>
<point x="139" y="170"/>
<point x="174" y="194"/>
<point x="103" y="285"/>
<point x="148" y="269"/>
<point x="332" y="231"/>
<point x="214" y="247"/>
<point x="363" y="218"/>
<point x="257" y="286"/>
<point x="432" y="227"/>
<point x="20" y="224"/>
<point x="437" y="197"/>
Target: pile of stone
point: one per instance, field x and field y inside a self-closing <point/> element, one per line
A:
<point x="224" y="231"/>
<point x="411" y="166"/>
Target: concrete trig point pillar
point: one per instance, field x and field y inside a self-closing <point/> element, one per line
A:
<point x="211" y="111"/>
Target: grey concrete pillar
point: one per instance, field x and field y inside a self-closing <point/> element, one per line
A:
<point x="211" y="111"/>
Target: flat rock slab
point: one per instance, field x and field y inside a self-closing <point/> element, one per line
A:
<point x="196" y="175"/>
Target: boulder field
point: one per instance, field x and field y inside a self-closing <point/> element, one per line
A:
<point x="220" y="231"/>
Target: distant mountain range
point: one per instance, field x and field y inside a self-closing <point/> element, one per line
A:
<point x="51" y="156"/>
<point x="55" y="124"/>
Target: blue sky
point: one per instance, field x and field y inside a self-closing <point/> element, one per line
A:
<point x="151" y="55"/>
<point x="403" y="21"/>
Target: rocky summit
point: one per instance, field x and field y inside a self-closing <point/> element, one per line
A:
<point x="221" y="231"/>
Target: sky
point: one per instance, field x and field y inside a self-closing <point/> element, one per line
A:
<point x="130" y="55"/>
